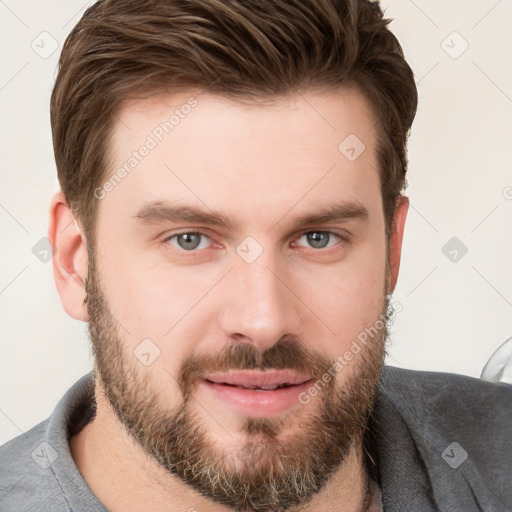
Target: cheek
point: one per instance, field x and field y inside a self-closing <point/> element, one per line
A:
<point x="157" y="303"/>
<point x="348" y="298"/>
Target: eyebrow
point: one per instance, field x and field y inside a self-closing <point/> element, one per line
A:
<point x="159" y="211"/>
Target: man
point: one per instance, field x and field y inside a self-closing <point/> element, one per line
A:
<point x="230" y="226"/>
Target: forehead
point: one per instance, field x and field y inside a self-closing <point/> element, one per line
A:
<point x="214" y="152"/>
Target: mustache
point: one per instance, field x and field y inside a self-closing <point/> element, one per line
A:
<point x="286" y="354"/>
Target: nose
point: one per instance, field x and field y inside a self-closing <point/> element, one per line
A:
<point x="260" y="306"/>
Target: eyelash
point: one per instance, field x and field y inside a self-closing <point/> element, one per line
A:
<point x="196" y="251"/>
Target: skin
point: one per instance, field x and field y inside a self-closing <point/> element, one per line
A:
<point x="261" y="166"/>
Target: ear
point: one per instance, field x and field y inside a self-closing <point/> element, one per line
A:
<point x="395" y="241"/>
<point x="70" y="257"/>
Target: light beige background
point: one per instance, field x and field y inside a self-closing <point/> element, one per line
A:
<point x="455" y="314"/>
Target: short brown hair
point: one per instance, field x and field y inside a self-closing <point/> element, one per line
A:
<point x="250" y="49"/>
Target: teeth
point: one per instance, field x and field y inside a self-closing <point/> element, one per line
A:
<point x="261" y="388"/>
<point x="266" y="388"/>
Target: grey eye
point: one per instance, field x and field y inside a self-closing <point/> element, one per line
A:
<point x="318" y="239"/>
<point x="188" y="241"/>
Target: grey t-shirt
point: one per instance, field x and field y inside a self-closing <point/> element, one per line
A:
<point x="440" y="442"/>
<point x="37" y="471"/>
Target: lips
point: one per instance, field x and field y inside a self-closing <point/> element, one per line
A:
<point x="258" y="380"/>
<point x="256" y="393"/>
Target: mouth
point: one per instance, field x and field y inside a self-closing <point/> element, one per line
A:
<point x="259" y="388"/>
<point x="257" y="393"/>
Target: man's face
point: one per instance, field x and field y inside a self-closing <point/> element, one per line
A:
<point x="194" y="324"/>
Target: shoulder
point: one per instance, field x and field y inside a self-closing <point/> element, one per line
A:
<point x="445" y="440"/>
<point x="443" y="410"/>
<point x="27" y="481"/>
<point x="37" y="470"/>
<point x="447" y="392"/>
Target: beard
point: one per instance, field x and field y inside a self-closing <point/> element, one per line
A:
<point x="268" y="472"/>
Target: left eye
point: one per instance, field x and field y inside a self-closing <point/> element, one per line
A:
<point x="319" y="239"/>
<point x="191" y="241"/>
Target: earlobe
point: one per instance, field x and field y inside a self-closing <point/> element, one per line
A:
<point x="70" y="257"/>
<point x="395" y="241"/>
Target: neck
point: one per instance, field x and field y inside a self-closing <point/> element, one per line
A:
<point x="126" y="479"/>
